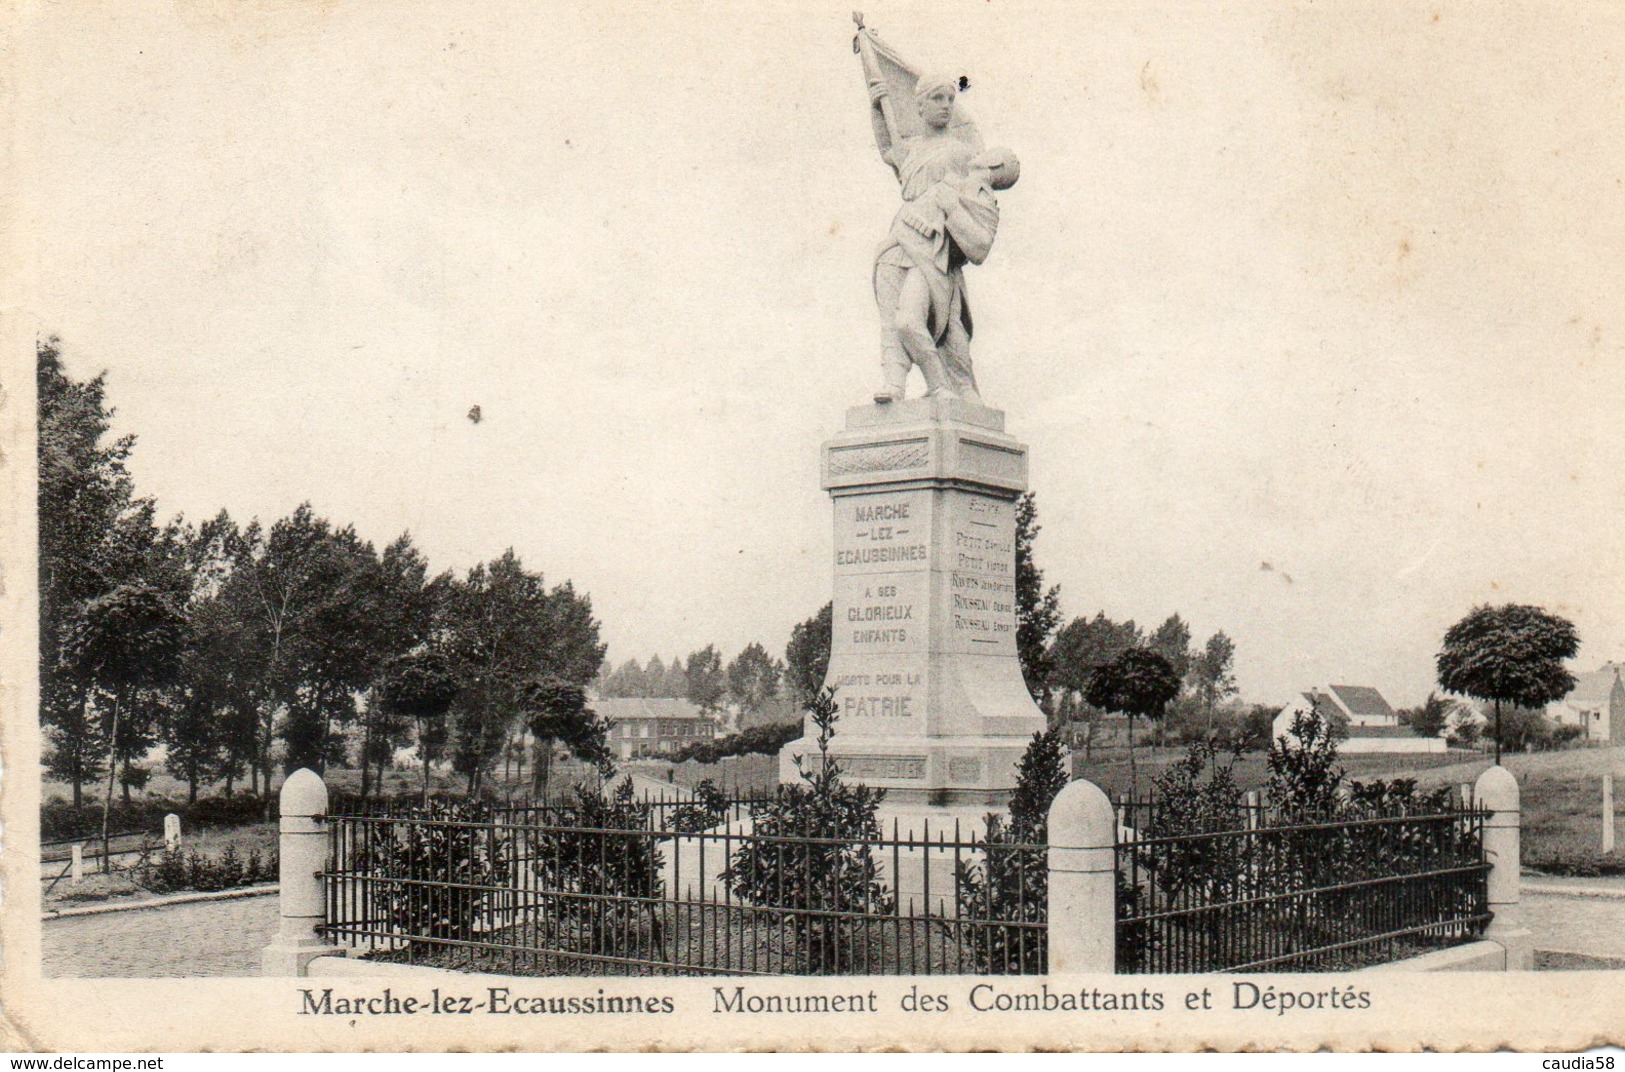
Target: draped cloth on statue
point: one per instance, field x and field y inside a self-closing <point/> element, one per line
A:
<point x="882" y="65"/>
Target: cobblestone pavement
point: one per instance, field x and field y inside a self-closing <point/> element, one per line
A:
<point x="220" y="938"/>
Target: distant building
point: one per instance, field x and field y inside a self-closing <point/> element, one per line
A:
<point x="1370" y="721"/>
<point x="646" y="728"/>
<point x="1596" y="705"/>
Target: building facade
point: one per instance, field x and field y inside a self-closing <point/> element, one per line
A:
<point x="1596" y="705"/>
<point x="644" y="728"/>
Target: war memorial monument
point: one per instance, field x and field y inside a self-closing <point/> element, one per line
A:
<point x="933" y="707"/>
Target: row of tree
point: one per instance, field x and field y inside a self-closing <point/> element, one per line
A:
<point x="1061" y="664"/>
<point x="232" y="645"/>
<point x="751" y="681"/>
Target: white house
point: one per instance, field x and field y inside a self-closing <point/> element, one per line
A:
<point x="1596" y="705"/>
<point x="1372" y="723"/>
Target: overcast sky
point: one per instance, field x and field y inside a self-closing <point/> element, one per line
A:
<point x="1311" y="318"/>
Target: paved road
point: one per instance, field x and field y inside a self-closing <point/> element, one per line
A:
<point x="219" y="938"/>
<point x="1576" y="924"/>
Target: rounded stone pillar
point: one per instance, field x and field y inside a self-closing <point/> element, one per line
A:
<point x="1496" y="792"/>
<point x="1082" y="881"/>
<point x="302" y="901"/>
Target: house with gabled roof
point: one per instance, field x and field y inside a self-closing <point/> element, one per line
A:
<point x="1596" y="704"/>
<point x="648" y="727"/>
<point x="1363" y="713"/>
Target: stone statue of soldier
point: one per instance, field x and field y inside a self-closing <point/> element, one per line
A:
<point x="949" y="217"/>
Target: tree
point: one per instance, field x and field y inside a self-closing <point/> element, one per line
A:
<point x="707" y="684"/>
<point x="1428" y="720"/>
<point x="1086" y="645"/>
<point x="1138" y="683"/>
<point x="191" y="729"/>
<point x="557" y="714"/>
<point x="1080" y="649"/>
<point x="626" y="681"/>
<point x="85" y="496"/>
<point x="1527" y="729"/>
<point x="505" y="628"/>
<point x="126" y="641"/>
<point x="1212" y="670"/>
<point x="420" y="687"/>
<point x="1038" y="610"/>
<point x="753" y="679"/>
<point x="305" y="613"/>
<point x="653" y="678"/>
<point x="405" y="603"/>
<point x="806" y="658"/>
<point x="675" y="684"/>
<point x="1172" y="641"/>
<point x="1509" y="654"/>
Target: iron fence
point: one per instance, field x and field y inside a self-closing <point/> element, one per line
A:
<point x="1307" y="896"/>
<point x="553" y="890"/>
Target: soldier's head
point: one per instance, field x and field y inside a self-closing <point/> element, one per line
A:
<point x="1000" y="165"/>
<point x="934" y="94"/>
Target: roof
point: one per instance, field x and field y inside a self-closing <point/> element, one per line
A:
<point x="1364" y="700"/>
<point x="1322" y="704"/>
<point x="625" y="708"/>
<point x="1593" y="689"/>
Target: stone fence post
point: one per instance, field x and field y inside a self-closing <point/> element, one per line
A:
<point x="1082" y="881"/>
<point x="172" y="832"/>
<point x="301" y="899"/>
<point x="1496" y="791"/>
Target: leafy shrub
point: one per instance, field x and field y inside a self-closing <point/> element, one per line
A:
<point x="1011" y="883"/>
<point x="1197" y="795"/>
<point x="708" y="810"/>
<point x="1304" y="777"/>
<point x="167" y="874"/>
<point x="174" y="870"/>
<point x="830" y="874"/>
<point x="433" y="871"/>
<point x="599" y="870"/>
<point x="1310" y="864"/>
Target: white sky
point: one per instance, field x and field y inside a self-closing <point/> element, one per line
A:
<point x="1311" y="318"/>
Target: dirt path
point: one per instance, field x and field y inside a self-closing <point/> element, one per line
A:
<point x="219" y="938"/>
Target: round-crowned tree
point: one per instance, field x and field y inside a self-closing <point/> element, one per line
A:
<point x="1508" y="654"/>
<point x="1137" y="683"/>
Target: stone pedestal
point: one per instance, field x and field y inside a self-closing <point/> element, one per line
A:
<point x="923" y="656"/>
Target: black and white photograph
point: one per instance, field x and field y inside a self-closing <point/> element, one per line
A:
<point x="949" y="526"/>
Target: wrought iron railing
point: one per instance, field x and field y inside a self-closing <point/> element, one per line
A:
<point x="1306" y="896"/>
<point x="532" y="890"/>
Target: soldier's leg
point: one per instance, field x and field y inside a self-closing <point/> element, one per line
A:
<point x="914" y="329"/>
<point x="955" y="350"/>
<point x="894" y="360"/>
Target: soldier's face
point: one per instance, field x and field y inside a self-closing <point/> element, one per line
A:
<point x="937" y="107"/>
